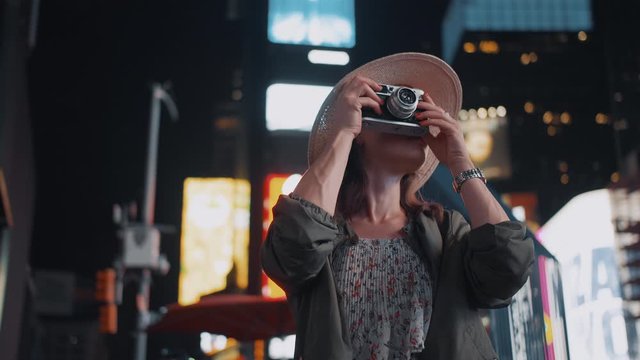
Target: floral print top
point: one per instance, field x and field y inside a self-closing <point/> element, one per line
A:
<point x="385" y="292"/>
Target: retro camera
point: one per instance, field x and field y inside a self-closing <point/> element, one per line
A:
<point x="398" y="111"/>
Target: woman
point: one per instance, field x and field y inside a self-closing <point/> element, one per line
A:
<point x="370" y="270"/>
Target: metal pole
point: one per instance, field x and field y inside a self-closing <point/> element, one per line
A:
<point x="158" y="96"/>
<point x="142" y="297"/>
<point x="142" y="304"/>
<point x="152" y="155"/>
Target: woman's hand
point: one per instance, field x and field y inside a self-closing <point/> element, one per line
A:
<point x="448" y="146"/>
<point x="351" y="97"/>
<point x="321" y="183"/>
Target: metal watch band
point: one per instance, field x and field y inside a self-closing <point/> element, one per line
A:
<point x="466" y="175"/>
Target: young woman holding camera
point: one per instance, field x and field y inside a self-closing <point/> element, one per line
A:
<point x="371" y="270"/>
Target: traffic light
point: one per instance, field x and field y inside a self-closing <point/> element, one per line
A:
<point x="106" y="286"/>
<point x="108" y="319"/>
<point x="106" y="294"/>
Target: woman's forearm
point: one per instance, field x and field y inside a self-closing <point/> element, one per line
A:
<point x="480" y="203"/>
<point x="320" y="184"/>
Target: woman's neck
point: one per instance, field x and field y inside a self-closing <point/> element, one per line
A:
<point x="384" y="217"/>
<point x="383" y="195"/>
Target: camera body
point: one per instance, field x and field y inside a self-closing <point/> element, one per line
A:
<point x="398" y="111"/>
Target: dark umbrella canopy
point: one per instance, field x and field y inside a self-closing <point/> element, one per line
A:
<point x="242" y="317"/>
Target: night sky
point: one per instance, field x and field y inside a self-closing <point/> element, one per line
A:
<point x="90" y="74"/>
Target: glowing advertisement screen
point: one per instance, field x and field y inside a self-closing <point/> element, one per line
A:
<point x="486" y="134"/>
<point x="328" y="23"/>
<point x="581" y="236"/>
<point x="293" y="106"/>
<point x="214" y="238"/>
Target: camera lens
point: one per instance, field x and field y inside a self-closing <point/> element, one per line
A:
<point x="407" y="96"/>
<point x="402" y="103"/>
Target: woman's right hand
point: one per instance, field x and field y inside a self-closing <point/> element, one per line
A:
<point x="351" y="97"/>
<point x="321" y="183"/>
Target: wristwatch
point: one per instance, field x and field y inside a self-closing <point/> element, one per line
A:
<point x="466" y="175"/>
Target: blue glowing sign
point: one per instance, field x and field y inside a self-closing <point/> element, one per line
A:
<point x="328" y="23"/>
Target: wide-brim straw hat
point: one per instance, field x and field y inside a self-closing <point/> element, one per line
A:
<point x="416" y="70"/>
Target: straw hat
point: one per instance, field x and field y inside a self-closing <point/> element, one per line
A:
<point x="416" y="70"/>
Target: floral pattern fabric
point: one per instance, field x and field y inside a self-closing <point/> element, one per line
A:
<point x="386" y="296"/>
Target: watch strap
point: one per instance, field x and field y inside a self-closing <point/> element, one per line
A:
<point x="467" y="175"/>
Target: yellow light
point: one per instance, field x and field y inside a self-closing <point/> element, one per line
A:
<point x="533" y="57"/>
<point x="214" y="237"/>
<point x="551" y="130"/>
<point x="602" y="119"/>
<point x="501" y="111"/>
<point x="226" y="123"/>
<point x="565" y="118"/>
<point x="529" y="107"/>
<point x="564" y="179"/>
<point x="547" y="117"/>
<point x="489" y="47"/>
<point x="469" y="47"/>
<point x="615" y="177"/>
<point x="525" y="59"/>
<point x="480" y="145"/>
<point x="492" y="112"/>
<point x="463" y="115"/>
<point x="258" y="350"/>
<point x="548" y="328"/>
<point x="582" y="36"/>
<point x="482" y="113"/>
<point x="275" y="185"/>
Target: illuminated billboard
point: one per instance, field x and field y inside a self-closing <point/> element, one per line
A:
<point x="486" y="134"/>
<point x="215" y="237"/>
<point x="329" y="23"/>
<point x="582" y="237"/>
<point x="293" y="106"/>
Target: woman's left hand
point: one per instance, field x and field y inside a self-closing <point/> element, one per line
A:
<point x="448" y="146"/>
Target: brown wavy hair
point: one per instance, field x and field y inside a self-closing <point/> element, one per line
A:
<point x="352" y="198"/>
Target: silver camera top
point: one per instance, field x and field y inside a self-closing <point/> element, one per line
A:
<point x="401" y="101"/>
<point x="397" y="115"/>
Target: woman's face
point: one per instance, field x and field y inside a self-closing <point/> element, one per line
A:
<point x="396" y="153"/>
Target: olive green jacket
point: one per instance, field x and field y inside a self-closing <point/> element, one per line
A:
<point x="479" y="268"/>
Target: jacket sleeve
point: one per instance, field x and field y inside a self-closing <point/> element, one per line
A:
<point x="298" y="243"/>
<point x="497" y="259"/>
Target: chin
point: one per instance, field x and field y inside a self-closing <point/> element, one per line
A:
<point x="410" y="161"/>
<point x="415" y="164"/>
<point x="404" y="154"/>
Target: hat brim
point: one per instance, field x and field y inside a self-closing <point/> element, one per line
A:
<point x="417" y="70"/>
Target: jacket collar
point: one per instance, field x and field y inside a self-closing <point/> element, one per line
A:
<point x="430" y="239"/>
<point x="424" y="228"/>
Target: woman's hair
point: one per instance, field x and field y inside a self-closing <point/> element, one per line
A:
<point x="352" y="198"/>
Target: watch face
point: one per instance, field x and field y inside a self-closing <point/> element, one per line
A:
<point x="480" y="144"/>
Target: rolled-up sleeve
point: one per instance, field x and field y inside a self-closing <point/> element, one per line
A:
<point x="298" y="243"/>
<point x="497" y="259"/>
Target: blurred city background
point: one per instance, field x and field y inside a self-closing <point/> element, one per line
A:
<point x="144" y="143"/>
